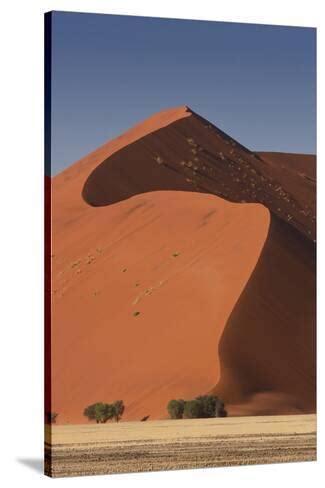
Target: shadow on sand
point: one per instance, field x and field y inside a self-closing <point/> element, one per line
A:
<point x="36" y="464"/>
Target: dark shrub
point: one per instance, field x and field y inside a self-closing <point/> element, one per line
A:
<point x="176" y="408"/>
<point x="118" y="408"/>
<point x="192" y="409"/>
<point x="211" y="406"/>
<point x="89" y="412"/>
<point x="204" y="406"/>
<point x="208" y="405"/>
<point x="101" y="412"/>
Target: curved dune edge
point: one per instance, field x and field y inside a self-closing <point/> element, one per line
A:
<point x="268" y="347"/>
<point x="81" y="169"/>
<point x="179" y="259"/>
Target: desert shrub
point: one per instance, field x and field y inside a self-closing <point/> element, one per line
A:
<point x="211" y="406"/>
<point x="101" y="412"/>
<point x="104" y="412"/>
<point x="89" y="412"/>
<point x="208" y="405"/>
<point x="204" y="406"/>
<point x="176" y="408"/>
<point x="118" y="408"/>
<point x="192" y="409"/>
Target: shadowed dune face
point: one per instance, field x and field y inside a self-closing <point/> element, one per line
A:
<point x="129" y="172"/>
<point x="297" y="172"/>
<point x="162" y="288"/>
<point x="138" y="311"/>
<point x="190" y="154"/>
<point x="268" y="348"/>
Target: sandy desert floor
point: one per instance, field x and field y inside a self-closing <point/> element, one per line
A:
<point x="178" y="444"/>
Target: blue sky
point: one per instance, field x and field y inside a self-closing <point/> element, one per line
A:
<point x="255" y="82"/>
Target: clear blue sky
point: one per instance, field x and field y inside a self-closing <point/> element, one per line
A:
<point x="255" y="82"/>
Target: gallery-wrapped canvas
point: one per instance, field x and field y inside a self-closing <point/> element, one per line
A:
<point x="180" y="230"/>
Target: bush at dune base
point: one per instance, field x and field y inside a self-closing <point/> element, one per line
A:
<point x="205" y="406"/>
<point x="102" y="412"/>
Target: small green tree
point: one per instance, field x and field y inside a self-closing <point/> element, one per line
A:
<point x="89" y="412"/>
<point x="176" y="408"/>
<point x="118" y="408"/>
<point x="211" y="406"/>
<point x="204" y="406"/>
<point x="192" y="409"/>
<point x="103" y="412"/>
<point x="208" y="404"/>
<point x="100" y="412"/>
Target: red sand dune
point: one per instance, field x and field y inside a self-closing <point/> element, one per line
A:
<point x="162" y="288"/>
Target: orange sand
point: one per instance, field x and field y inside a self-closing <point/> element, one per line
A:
<point x="162" y="288"/>
<point x="122" y="259"/>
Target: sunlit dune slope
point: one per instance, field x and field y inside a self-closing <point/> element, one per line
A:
<point x="141" y="294"/>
